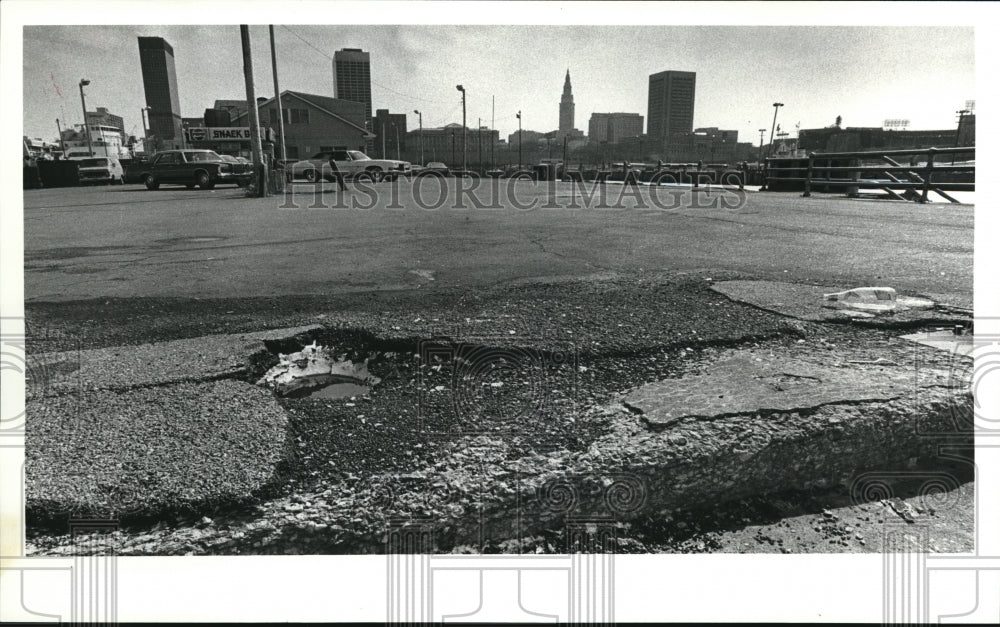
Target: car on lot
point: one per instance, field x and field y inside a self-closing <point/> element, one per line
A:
<point x="352" y="164"/>
<point x="100" y="170"/>
<point x="434" y="168"/>
<point x="204" y="168"/>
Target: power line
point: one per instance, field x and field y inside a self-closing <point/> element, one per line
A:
<point x="408" y="96"/>
<point x="303" y="40"/>
<point x="306" y="42"/>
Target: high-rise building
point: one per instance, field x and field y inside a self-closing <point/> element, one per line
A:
<point x="567" y="110"/>
<point x="614" y="127"/>
<point x="352" y="79"/>
<point x="671" y="105"/>
<point x="160" y="82"/>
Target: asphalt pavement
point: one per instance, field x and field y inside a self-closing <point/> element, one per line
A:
<point x="127" y="242"/>
<point x="620" y="275"/>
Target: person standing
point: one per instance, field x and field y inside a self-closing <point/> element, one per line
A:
<point x="337" y="174"/>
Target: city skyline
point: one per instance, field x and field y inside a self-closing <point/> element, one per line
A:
<point x="742" y="70"/>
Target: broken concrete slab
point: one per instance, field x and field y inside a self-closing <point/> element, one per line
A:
<point x="122" y="367"/>
<point x="945" y="340"/>
<point x="743" y="383"/>
<point x="635" y="471"/>
<point x="808" y="302"/>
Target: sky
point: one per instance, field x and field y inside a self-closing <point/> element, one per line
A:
<point x="864" y="74"/>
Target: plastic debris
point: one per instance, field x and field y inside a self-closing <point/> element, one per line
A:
<point x="314" y="366"/>
<point x="871" y="299"/>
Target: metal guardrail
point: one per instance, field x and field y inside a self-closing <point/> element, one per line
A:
<point x="854" y="171"/>
<point x="700" y="176"/>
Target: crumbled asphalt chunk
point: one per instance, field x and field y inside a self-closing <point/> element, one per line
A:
<point x="188" y="447"/>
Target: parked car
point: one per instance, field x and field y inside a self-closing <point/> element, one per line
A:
<point x="434" y="168"/>
<point x="351" y="163"/>
<point x="101" y="170"/>
<point x="204" y="168"/>
<point x="135" y="172"/>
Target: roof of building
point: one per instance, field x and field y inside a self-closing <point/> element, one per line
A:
<point x="323" y="103"/>
<point x="231" y="104"/>
<point x="454" y="126"/>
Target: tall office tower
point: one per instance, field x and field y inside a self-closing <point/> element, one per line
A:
<point x="160" y="82"/>
<point x="567" y="110"/>
<point x="671" y="105"/>
<point x="352" y="79"/>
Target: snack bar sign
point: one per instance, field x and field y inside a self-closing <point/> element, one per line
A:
<point x="223" y="133"/>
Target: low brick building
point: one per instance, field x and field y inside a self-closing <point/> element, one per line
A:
<point x="313" y="123"/>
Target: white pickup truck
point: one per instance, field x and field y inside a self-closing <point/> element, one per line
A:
<point x="351" y="163"/>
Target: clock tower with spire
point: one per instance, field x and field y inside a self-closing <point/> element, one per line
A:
<point x="567" y="109"/>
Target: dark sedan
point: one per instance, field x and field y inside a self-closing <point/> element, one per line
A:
<point x="204" y="168"/>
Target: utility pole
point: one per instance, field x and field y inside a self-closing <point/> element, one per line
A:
<point x="395" y="132"/>
<point x="86" y="127"/>
<point x="420" y="116"/>
<point x="479" y="142"/>
<point x="62" y="145"/>
<point x="277" y="98"/>
<point x="253" y="117"/>
<point x="383" y="140"/>
<point x="519" y="142"/>
<point x="760" y="149"/>
<point x="493" y="144"/>
<point x="465" y="129"/>
<point x="770" y="147"/>
<point x="453" y="148"/>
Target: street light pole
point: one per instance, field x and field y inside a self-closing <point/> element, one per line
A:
<point x="465" y="137"/>
<point x="519" y="142"/>
<point x="760" y="149"/>
<point x="770" y="147"/>
<point x="420" y="116"/>
<point x="958" y="131"/>
<point x="86" y="127"/>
